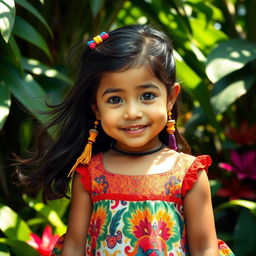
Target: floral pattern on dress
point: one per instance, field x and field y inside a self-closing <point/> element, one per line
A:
<point x="99" y="185"/>
<point x="173" y="186"/>
<point x="98" y="226"/>
<point x="152" y="230"/>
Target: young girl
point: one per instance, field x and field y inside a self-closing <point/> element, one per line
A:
<point x="133" y="193"/>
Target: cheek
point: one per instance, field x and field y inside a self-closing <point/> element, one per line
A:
<point x="159" y="113"/>
<point x="161" y="116"/>
<point x="108" y="120"/>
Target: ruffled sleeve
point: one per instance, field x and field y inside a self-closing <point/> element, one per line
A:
<point x="200" y="163"/>
<point x="83" y="170"/>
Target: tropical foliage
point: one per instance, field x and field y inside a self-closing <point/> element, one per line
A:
<point x="215" y="49"/>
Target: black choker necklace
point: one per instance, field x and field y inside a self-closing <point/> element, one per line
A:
<point x="138" y="153"/>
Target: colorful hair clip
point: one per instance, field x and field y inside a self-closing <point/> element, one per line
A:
<point x="97" y="40"/>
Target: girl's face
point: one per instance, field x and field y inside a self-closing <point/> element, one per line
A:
<point x="132" y="106"/>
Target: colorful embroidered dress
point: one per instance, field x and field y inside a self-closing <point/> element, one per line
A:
<point x="139" y="214"/>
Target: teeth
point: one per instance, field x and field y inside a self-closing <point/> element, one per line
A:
<point x="134" y="128"/>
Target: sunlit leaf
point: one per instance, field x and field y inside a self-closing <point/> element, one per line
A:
<point x="59" y="205"/>
<point x="7" y="18"/>
<point x="25" y="4"/>
<point x="232" y="91"/>
<point x="5" y="103"/>
<point x="25" y="31"/>
<point x="228" y="57"/>
<point x="37" y="68"/>
<point x="48" y="213"/>
<point x="205" y="35"/>
<point x="12" y="225"/>
<point x="18" y="247"/>
<point x="181" y="10"/>
<point x="26" y="90"/>
<point x="250" y="205"/>
<point x="191" y="82"/>
<point x="207" y="9"/>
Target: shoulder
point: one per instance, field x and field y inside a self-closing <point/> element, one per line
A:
<point x="86" y="171"/>
<point x="193" y="166"/>
<point x="95" y="162"/>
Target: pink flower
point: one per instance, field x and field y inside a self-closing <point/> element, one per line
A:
<point x="45" y="244"/>
<point x="243" y="164"/>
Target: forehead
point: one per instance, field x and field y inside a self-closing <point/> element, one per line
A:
<point x="128" y="79"/>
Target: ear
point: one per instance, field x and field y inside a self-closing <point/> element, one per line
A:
<point x="175" y="90"/>
<point x="95" y="111"/>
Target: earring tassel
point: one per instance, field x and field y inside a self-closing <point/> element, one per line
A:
<point x="172" y="143"/>
<point x="85" y="157"/>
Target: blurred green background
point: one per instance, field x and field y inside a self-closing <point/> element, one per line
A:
<point x="215" y="49"/>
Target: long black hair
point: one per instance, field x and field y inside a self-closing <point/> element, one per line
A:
<point x="126" y="47"/>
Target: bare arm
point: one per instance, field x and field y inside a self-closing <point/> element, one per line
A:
<point x="79" y="217"/>
<point x="198" y="212"/>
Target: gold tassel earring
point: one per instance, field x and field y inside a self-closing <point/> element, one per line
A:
<point x="86" y="155"/>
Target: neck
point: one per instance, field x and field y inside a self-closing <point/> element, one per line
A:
<point x="138" y="153"/>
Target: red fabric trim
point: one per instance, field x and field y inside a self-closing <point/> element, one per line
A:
<point x="126" y="197"/>
<point x="199" y="164"/>
<point x="85" y="177"/>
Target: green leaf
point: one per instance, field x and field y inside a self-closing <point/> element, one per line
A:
<point x="251" y="206"/>
<point x="5" y="103"/>
<point x="215" y="186"/>
<point x="244" y="234"/>
<point x="233" y="90"/>
<point x="37" y="68"/>
<point x="25" y="31"/>
<point x="96" y="6"/>
<point x="18" y="247"/>
<point x="206" y="9"/>
<point x="15" y="49"/>
<point x="26" y="90"/>
<point x="25" y="4"/>
<point x="59" y="205"/>
<point x="12" y="225"/>
<point x="7" y="18"/>
<point x="185" y="74"/>
<point x="205" y="34"/>
<point x="194" y="86"/>
<point x="48" y="213"/>
<point x="4" y="250"/>
<point x="228" y="57"/>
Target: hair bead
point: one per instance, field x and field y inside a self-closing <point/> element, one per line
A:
<point x="97" y="40"/>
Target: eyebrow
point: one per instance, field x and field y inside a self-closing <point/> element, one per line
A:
<point x="143" y="86"/>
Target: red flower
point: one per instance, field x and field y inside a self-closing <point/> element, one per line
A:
<point x="45" y="244"/>
<point x="144" y="228"/>
<point x="163" y="230"/>
<point x="245" y="134"/>
<point x="234" y="189"/>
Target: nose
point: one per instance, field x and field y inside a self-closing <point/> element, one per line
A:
<point x="132" y="111"/>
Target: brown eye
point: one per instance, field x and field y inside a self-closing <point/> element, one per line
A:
<point x="148" y="96"/>
<point x="114" y="100"/>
